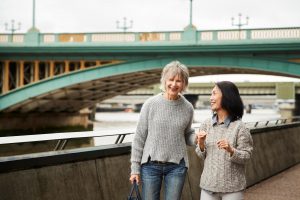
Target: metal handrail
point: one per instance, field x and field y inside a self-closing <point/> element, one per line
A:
<point x="272" y="122"/>
<point x="60" y="145"/>
<point x="63" y="138"/>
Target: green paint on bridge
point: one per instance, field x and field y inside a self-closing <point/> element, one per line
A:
<point x="141" y="70"/>
<point x="273" y="51"/>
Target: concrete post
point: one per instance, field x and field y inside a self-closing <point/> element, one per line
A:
<point x="32" y="37"/>
<point x="190" y="34"/>
<point x="285" y="93"/>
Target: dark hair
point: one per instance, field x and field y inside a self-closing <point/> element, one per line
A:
<point x="231" y="99"/>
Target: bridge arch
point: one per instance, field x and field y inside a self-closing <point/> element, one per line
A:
<point x="74" y="91"/>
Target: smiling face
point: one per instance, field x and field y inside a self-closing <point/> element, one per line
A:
<point x="216" y="99"/>
<point x="174" y="85"/>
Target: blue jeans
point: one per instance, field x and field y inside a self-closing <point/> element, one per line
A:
<point x="173" y="175"/>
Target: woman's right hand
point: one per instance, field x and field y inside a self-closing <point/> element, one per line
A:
<point x="201" y="136"/>
<point x="135" y="177"/>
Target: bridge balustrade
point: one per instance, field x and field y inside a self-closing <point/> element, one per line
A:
<point x="117" y="38"/>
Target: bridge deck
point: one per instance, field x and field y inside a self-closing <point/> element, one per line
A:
<point x="283" y="186"/>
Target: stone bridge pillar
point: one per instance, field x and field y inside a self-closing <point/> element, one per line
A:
<point x="285" y="93"/>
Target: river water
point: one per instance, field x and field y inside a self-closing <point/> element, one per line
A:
<point x="109" y="123"/>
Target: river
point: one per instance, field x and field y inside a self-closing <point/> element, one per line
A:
<point x="125" y="122"/>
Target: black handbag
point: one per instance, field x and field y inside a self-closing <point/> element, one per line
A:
<point x="135" y="188"/>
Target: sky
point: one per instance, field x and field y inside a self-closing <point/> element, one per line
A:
<point x="64" y="16"/>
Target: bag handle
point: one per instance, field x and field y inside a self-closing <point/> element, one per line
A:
<point x="135" y="188"/>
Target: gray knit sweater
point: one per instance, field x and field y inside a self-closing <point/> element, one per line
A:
<point x="163" y="130"/>
<point x="222" y="172"/>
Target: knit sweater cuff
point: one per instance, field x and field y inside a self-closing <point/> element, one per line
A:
<point x="200" y="153"/>
<point x="191" y="139"/>
<point x="135" y="168"/>
<point x="235" y="156"/>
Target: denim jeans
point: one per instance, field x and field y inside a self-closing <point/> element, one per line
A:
<point x="153" y="174"/>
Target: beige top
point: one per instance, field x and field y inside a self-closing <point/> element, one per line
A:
<point x="222" y="172"/>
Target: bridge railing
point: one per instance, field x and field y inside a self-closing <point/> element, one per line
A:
<point x="157" y="38"/>
<point x="62" y="139"/>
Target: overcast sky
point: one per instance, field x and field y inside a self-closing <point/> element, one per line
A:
<point x="148" y="15"/>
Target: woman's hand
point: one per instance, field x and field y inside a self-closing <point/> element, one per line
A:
<point x="224" y="144"/>
<point x="201" y="136"/>
<point x="135" y="177"/>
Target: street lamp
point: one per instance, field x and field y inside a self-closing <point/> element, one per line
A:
<point x="12" y="28"/>
<point x="191" y="13"/>
<point x="240" y="24"/>
<point x="125" y="27"/>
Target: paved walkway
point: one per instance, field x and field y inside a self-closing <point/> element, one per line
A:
<point x="284" y="186"/>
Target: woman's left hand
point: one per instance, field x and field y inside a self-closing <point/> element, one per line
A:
<point x="224" y="144"/>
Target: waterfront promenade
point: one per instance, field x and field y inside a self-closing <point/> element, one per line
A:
<point x="283" y="186"/>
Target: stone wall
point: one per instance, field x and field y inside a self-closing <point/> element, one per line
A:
<point x="102" y="172"/>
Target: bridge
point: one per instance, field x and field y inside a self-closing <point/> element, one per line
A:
<point x="56" y="79"/>
<point x="51" y="77"/>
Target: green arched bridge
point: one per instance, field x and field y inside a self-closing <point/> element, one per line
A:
<point x="66" y="72"/>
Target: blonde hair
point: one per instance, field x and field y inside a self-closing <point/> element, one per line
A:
<point x="172" y="69"/>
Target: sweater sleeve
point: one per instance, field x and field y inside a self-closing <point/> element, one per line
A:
<point x="139" y="140"/>
<point x="243" y="150"/>
<point x="190" y="136"/>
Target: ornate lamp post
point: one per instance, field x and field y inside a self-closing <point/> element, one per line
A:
<point x="12" y="28"/>
<point x="125" y="27"/>
<point x="240" y="24"/>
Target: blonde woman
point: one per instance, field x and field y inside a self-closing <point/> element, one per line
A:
<point x="159" y="147"/>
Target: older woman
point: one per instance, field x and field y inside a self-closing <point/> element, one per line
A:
<point x="159" y="147"/>
<point x="225" y="144"/>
